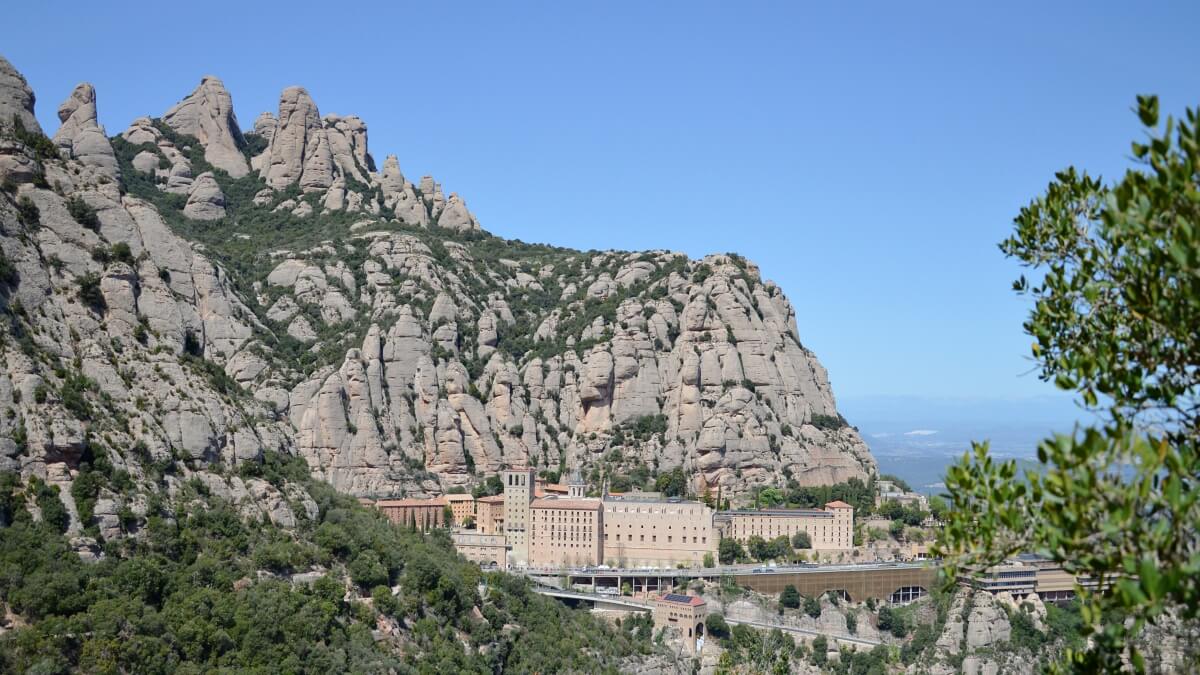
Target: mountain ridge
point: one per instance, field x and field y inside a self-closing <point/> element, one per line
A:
<point x="338" y="311"/>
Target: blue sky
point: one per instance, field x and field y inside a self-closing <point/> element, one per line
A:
<point x="868" y="156"/>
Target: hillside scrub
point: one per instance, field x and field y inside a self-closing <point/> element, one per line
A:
<point x="200" y="589"/>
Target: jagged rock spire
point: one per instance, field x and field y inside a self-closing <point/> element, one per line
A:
<point x="297" y="151"/>
<point x="207" y="114"/>
<point x="16" y="98"/>
<point x="81" y="137"/>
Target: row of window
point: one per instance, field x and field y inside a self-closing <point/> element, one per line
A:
<point x="643" y="526"/>
<point x="654" y="538"/>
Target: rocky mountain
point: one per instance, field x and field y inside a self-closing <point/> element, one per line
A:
<point x="185" y="295"/>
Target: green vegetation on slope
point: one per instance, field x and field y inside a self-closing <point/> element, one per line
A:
<point x="200" y="589"/>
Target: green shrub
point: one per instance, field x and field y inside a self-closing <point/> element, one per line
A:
<point x="8" y="271"/>
<point x="83" y="213"/>
<point x="812" y="607"/>
<point x="54" y="512"/>
<point x="829" y="422"/>
<point x="28" y="213"/>
<point x="41" y="145"/>
<point x="714" y="625"/>
<point x="790" y="597"/>
<point x="90" y="294"/>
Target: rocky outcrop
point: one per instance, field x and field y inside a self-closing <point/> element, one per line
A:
<point x="703" y="351"/>
<point x="348" y="144"/>
<point x="400" y="196"/>
<point x="394" y="361"/>
<point x="205" y="199"/>
<point x="16" y="98"/>
<point x="976" y="637"/>
<point x="80" y="137"/>
<point x="207" y="114"/>
<point x="298" y="152"/>
<point x="456" y="216"/>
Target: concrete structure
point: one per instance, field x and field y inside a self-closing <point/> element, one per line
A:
<point x="684" y="613"/>
<point x="1029" y="573"/>
<point x="564" y="532"/>
<point x="623" y="603"/>
<point x="657" y="533"/>
<point x="461" y="506"/>
<point x="488" y="550"/>
<point x="888" y="491"/>
<point x="830" y="529"/>
<point x="489" y="514"/>
<point x="518" y="495"/>
<point x="422" y="514"/>
<point x="886" y="582"/>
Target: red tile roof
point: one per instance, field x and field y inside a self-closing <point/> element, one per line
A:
<point x="838" y="505"/>
<point x="492" y="499"/>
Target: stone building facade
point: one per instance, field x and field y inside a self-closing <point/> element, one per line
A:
<point x="488" y="550"/>
<point x="565" y="532"/>
<point x="657" y="532"/>
<point x="489" y="514"/>
<point x="830" y="529"/>
<point x="518" y="495"/>
<point x="462" y="507"/>
<point x="684" y="613"/>
<point x="562" y="526"/>
<point x="423" y="514"/>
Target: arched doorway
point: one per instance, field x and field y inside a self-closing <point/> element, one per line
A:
<point x="906" y="594"/>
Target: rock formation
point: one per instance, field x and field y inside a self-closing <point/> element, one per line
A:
<point x="80" y="136"/>
<point x="16" y="98"/>
<point x="207" y="114"/>
<point x="456" y="216"/>
<point x="395" y="358"/>
<point x="297" y="152"/>
<point x="205" y="199"/>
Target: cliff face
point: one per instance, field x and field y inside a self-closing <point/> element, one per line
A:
<point x="187" y="295"/>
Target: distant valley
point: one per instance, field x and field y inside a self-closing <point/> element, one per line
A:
<point x="917" y="437"/>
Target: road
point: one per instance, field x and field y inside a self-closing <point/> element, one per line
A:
<point x="805" y="631"/>
<point x="641" y="605"/>
<point x="726" y="570"/>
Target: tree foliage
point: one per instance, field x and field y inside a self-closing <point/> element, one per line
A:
<point x="186" y="596"/>
<point x="1116" y="319"/>
<point x="790" y="597"/>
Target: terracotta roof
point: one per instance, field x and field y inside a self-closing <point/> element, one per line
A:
<point x="436" y="501"/>
<point x="693" y="600"/>
<point x="838" y="505"/>
<point x="459" y="498"/>
<point x="554" y="503"/>
<point x="492" y="499"/>
<point x="555" y="487"/>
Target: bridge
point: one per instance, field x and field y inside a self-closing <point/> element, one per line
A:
<point x="896" y="583"/>
<point x="599" y="600"/>
<point x="618" y="602"/>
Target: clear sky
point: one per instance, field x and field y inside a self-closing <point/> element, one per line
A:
<point x="868" y="156"/>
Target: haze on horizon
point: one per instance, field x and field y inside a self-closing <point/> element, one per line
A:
<point x="868" y="159"/>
